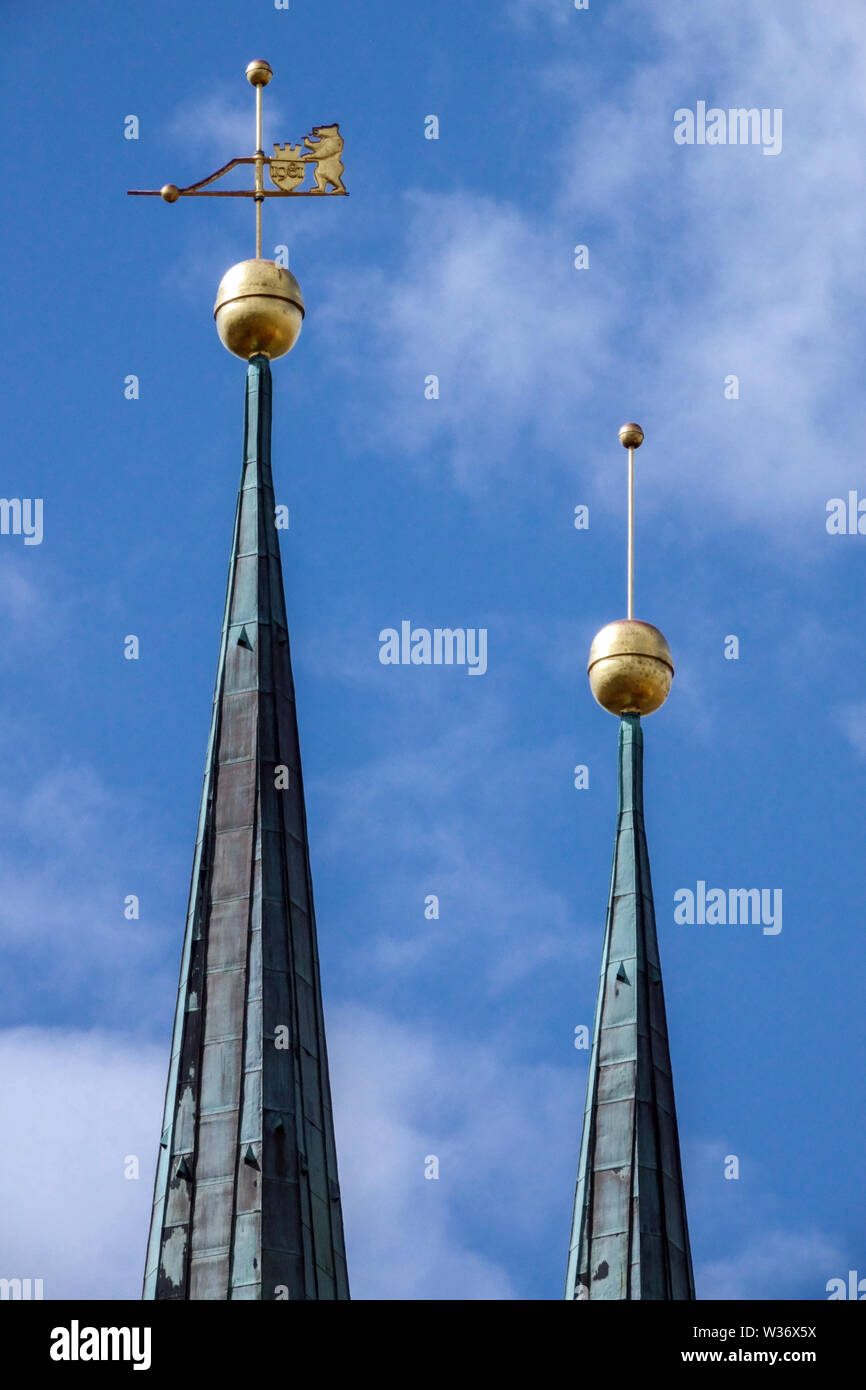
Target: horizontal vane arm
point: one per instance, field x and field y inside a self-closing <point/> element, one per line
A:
<point x="239" y="193"/>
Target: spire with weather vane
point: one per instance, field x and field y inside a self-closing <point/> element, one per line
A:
<point x="629" y="1233"/>
<point x="246" y="1198"/>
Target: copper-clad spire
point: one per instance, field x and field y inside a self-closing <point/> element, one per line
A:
<point x="629" y="1235"/>
<point x="246" y="1200"/>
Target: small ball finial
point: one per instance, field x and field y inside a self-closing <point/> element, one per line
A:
<point x="259" y="73"/>
<point x="631" y="436"/>
<point x="169" y="192"/>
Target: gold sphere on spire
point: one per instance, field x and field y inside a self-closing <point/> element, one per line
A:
<point x="630" y="667"/>
<point x="259" y="309"/>
<point x="259" y="73"/>
<point x="630" y="436"/>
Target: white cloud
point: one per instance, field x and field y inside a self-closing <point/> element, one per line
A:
<point x="525" y="13"/>
<point x="64" y="882"/>
<point x="852" y="720"/>
<point x="75" y="1105"/>
<point x="772" y="1265"/>
<point x="770" y="1252"/>
<point x="487" y="301"/>
<point x="21" y="600"/>
<point x="401" y="1095"/>
<point x="747" y="265"/>
<point x="222" y="125"/>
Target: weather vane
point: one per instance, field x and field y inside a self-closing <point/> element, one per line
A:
<point x="259" y="308"/>
<point x="287" y="167"/>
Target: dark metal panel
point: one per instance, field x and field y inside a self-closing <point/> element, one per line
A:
<point x="274" y="939"/>
<point x="232" y="864"/>
<point x="251" y="1114"/>
<point x="224" y="1014"/>
<point x="212" y="1221"/>
<point x="238" y="726"/>
<point x="235" y="804"/>
<point x="611" y="1201"/>
<point x="209" y="1276"/>
<point x="616" y="1082"/>
<point x="245" y="599"/>
<point x="227" y="935"/>
<point x="282" y="1271"/>
<point x="217" y="1146"/>
<point x="302" y="943"/>
<point x="246" y="1255"/>
<point x="220" y="1078"/>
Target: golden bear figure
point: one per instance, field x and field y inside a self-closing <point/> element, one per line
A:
<point x="327" y="149"/>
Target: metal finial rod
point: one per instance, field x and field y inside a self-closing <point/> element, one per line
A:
<point x="259" y="75"/>
<point x="631" y="438"/>
<point x="630" y="533"/>
<point x="260" y="167"/>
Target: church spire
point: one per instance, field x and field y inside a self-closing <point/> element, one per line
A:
<point x="246" y="1198"/>
<point x="629" y="1233"/>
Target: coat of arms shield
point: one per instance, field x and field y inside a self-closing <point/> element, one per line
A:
<point x="287" y="167"/>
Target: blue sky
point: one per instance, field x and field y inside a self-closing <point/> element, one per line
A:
<point x="452" y="257"/>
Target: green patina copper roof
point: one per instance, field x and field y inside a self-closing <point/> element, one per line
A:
<point x="246" y="1201"/>
<point x="630" y="1235"/>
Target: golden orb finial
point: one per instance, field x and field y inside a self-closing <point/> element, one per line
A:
<point x="630" y="667"/>
<point x="630" y="436"/>
<point x="259" y="73"/>
<point x="169" y="192"/>
<point x="259" y="309"/>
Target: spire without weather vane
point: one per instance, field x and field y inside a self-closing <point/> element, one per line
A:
<point x="629" y="1233"/>
<point x="246" y="1198"/>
